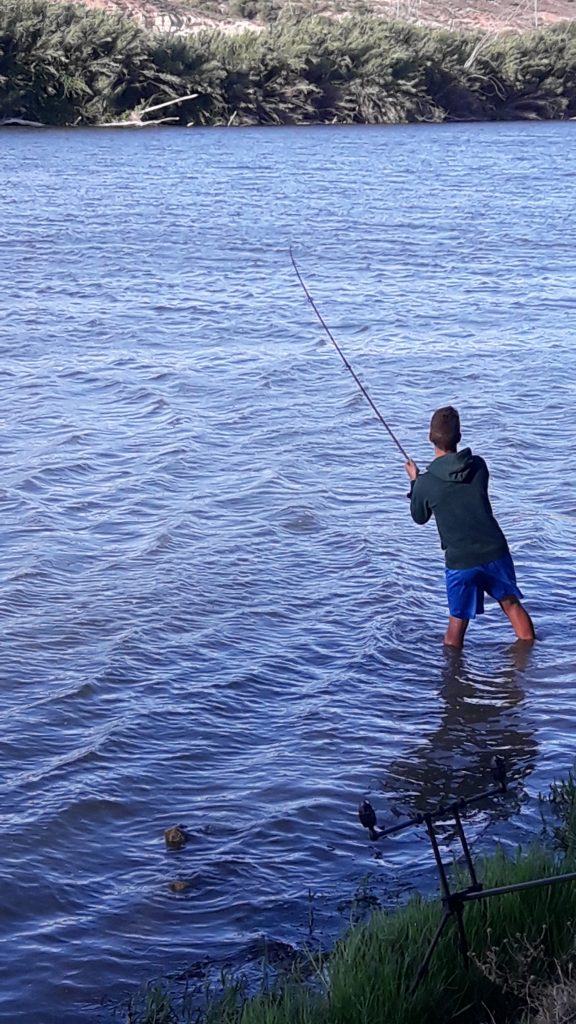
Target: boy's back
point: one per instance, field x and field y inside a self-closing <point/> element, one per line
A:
<point x="455" y="491"/>
<point x="478" y="561"/>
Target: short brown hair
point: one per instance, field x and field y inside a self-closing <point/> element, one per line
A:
<point x="445" y="429"/>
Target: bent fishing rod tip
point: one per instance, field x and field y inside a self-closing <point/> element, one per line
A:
<point x="346" y="362"/>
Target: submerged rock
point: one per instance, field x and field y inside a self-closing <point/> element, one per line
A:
<point x="176" y="837"/>
<point x="180" y="885"/>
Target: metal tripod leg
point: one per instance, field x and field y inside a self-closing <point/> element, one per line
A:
<point x="456" y="911"/>
<point x="423" y="969"/>
<point x="462" y="940"/>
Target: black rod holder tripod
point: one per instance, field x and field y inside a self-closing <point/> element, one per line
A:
<point x="453" y="902"/>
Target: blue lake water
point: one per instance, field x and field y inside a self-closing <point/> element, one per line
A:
<point x="215" y="608"/>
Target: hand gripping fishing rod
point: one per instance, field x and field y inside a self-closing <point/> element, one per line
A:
<point x="345" y="361"/>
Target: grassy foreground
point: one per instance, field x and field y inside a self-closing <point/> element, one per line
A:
<point x="523" y="946"/>
<point x="62" y="64"/>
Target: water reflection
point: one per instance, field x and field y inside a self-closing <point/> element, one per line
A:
<point x="482" y="715"/>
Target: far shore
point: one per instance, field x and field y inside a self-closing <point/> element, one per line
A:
<point x="305" y="71"/>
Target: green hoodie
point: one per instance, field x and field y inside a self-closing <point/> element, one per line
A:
<point x="455" y="491"/>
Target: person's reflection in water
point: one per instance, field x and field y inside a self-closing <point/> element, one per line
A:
<point x="481" y="716"/>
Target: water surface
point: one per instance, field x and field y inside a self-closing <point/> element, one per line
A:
<point x="215" y="607"/>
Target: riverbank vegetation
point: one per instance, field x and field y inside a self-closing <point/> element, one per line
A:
<point x="522" y="957"/>
<point x="263" y="11"/>
<point x="67" y="65"/>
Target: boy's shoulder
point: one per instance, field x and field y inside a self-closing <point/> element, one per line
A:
<point x="438" y="473"/>
<point x="479" y="460"/>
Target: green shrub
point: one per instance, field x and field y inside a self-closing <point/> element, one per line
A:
<point x="67" y="64"/>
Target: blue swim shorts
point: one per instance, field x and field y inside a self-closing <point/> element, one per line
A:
<point x="466" y="587"/>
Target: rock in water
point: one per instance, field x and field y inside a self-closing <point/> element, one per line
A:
<point x="176" y="837"/>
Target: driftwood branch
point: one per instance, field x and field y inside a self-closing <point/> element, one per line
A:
<point x="477" y="50"/>
<point x="135" y="118"/>
<point x="20" y="121"/>
<point x="134" y="123"/>
<point x="168" y="103"/>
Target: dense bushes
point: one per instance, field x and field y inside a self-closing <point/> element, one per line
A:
<point x="63" y="64"/>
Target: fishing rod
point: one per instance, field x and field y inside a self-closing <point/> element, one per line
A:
<point x="345" y="361"/>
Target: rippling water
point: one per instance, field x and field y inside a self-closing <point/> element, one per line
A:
<point x="215" y="608"/>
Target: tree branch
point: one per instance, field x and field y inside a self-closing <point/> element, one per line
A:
<point x="168" y="103"/>
<point x="23" y="123"/>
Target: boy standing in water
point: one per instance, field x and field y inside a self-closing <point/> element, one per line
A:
<point x="455" y="492"/>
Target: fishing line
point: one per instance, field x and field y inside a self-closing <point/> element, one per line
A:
<point x="345" y="361"/>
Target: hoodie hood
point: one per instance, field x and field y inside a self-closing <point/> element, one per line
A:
<point x="455" y="468"/>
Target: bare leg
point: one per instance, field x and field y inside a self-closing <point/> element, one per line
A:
<point x="454" y="636"/>
<point x="521" y="622"/>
